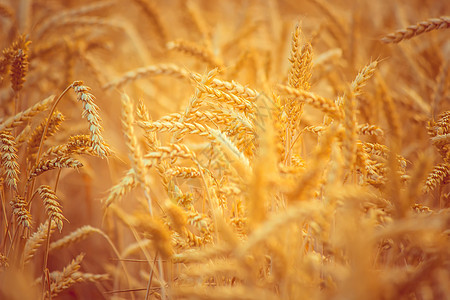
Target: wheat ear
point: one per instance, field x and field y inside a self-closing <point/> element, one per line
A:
<point x="52" y="206"/>
<point x="19" y="206"/>
<point x="19" y="65"/>
<point x="26" y="114"/>
<point x="51" y="164"/>
<point x="75" y="236"/>
<point x="63" y="280"/>
<point x="36" y="240"/>
<point x="90" y="112"/>
<point x="8" y="158"/>
<point x="414" y="30"/>
<point x="35" y="138"/>
<point x="195" y="50"/>
<point x="437" y="177"/>
<point x="60" y="18"/>
<point x="317" y="101"/>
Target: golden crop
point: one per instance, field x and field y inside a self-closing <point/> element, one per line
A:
<point x="224" y="149"/>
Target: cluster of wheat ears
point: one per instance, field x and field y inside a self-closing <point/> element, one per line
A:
<point x="233" y="149"/>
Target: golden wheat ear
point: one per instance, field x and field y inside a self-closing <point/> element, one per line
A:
<point x="52" y="205"/>
<point x="415" y="30"/>
<point x="90" y="112"/>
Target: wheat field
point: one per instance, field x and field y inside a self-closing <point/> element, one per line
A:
<point x="225" y="149"/>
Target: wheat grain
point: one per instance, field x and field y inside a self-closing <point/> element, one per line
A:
<point x="367" y="129"/>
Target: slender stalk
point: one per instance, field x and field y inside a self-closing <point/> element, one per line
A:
<point x="44" y="133"/>
<point x="147" y="294"/>
<point x="46" y="260"/>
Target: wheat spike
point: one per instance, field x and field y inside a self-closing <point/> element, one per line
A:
<point x="158" y="233"/>
<point x="363" y="76"/>
<point x="437" y="177"/>
<point x="182" y="128"/>
<point x="35" y="138"/>
<point x="367" y="129"/>
<point x="19" y="64"/>
<point x="36" y="240"/>
<point x="20" y="209"/>
<point x="90" y="112"/>
<point x="77" y="144"/>
<point x="415" y="30"/>
<point x="51" y="164"/>
<point x="73" y="237"/>
<point x="196" y="51"/>
<point x="60" y="18"/>
<point x="63" y="280"/>
<point x="301" y="60"/>
<point x="128" y="182"/>
<point x="317" y="101"/>
<point x="8" y="158"/>
<point x="185" y="172"/>
<point x="26" y="114"/>
<point x="52" y="206"/>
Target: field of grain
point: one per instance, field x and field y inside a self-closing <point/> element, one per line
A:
<point x="224" y="149"/>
